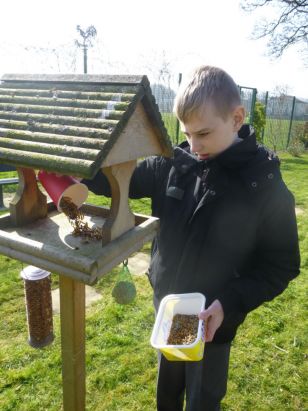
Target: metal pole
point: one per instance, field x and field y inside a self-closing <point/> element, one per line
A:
<point x="85" y="60"/>
<point x="291" y="120"/>
<point x="177" y="132"/>
<point x="1" y="199"/>
<point x="265" y="108"/>
<point x="252" y="107"/>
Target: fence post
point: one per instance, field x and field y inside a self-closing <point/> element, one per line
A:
<point x="252" y="106"/>
<point x="265" y="108"/>
<point x="291" y="120"/>
<point x="1" y="199"/>
<point x="177" y="132"/>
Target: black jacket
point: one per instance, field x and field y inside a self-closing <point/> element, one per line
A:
<point x="237" y="243"/>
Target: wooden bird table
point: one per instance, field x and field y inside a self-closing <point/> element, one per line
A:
<point x="76" y="125"/>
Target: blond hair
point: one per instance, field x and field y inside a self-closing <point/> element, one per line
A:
<point x="207" y="84"/>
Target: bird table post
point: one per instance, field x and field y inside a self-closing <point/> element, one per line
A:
<point x="72" y="309"/>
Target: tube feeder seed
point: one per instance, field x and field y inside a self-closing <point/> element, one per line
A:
<point x="37" y="286"/>
<point x="76" y="125"/>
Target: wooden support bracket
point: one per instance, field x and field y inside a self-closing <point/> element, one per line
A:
<point x="120" y="219"/>
<point x="29" y="203"/>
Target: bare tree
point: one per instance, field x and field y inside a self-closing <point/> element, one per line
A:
<point x="289" y="28"/>
<point x="56" y="58"/>
<point x="87" y="37"/>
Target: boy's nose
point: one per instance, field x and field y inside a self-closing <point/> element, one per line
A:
<point x="194" y="145"/>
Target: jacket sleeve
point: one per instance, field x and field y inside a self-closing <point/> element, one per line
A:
<point x="142" y="183"/>
<point x="276" y="260"/>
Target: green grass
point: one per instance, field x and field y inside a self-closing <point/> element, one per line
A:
<point x="267" y="369"/>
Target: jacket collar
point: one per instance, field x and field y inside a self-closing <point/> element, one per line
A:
<point x="237" y="155"/>
<point x="233" y="157"/>
<point x="256" y="165"/>
<point x="184" y="161"/>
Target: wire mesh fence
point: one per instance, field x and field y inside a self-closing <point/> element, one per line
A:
<point x="248" y="98"/>
<point x="286" y="117"/>
<point x="278" y="115"/>
<point x="164" y="87"/>
<point x="165" y="96"/>
<point x="299" y="123"/>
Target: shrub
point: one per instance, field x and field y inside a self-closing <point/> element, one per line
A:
<point x="296" y="147"/>
<point x="300" y="132"/>
<point x="259" y="120"/>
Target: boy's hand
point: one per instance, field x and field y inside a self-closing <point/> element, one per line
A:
<point x="213" y="317"/>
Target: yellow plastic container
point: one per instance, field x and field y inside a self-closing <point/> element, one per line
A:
<point x="172" y="304"/>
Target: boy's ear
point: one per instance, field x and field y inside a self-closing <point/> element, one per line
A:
<point x="238" y="117"/>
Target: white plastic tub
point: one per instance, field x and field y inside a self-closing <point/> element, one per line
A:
<point x="172" y="304"/>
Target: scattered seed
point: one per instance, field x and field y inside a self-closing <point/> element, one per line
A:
<point x="76" y="217"/>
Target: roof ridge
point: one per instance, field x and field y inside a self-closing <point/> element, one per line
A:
<point x="75" y="78"/>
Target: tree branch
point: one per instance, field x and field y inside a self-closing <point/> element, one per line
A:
<point x="289" y="28"/>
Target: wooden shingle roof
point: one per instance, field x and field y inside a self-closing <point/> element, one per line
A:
<point x="69" y="123"/>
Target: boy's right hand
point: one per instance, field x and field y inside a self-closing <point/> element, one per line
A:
<point x="213" y="317"/>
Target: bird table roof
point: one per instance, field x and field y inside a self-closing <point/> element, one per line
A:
<point x="71" y="124"/>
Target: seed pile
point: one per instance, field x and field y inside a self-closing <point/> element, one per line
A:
<point x="184" y="329"/>
<point x="75" y="216"/>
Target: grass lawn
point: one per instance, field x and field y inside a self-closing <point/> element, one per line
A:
<point x="267" y="369"/>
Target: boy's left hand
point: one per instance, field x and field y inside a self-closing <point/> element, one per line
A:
<point x="213" y="317"/>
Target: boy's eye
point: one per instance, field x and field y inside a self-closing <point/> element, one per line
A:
<point x="198" y="135"/>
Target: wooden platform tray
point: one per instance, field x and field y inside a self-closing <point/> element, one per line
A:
<point x="49" y="244"/>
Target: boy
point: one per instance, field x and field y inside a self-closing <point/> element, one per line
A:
<point x="227" y="230"/>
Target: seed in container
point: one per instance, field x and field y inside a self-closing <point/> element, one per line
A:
<point x="184" y="329"/>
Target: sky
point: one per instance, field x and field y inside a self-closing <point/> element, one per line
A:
<point x="142" y="37"/>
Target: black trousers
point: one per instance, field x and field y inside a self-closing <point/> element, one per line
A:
<point x="202" y="383"/>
